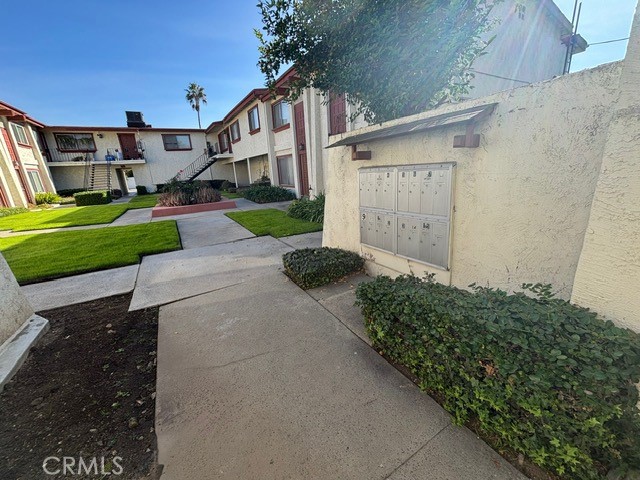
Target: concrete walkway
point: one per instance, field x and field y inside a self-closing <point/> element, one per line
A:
<point x="259" y="380"/>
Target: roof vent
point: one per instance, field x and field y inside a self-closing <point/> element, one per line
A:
<point x="136" y="120"/>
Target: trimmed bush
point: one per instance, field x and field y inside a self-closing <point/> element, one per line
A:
<point x="314" y="267"/>
<point x="70" y="192"/>
<point x="540" y="376"/>
<point x="226" y="185"/>
<point x="141" y="190"/>
<point x="264" y="194"/>
<point x="309" y="210"/>
<point x="47" y="198"/>
<point x="5" y="212"/>
<point x="99" y="197"/>
<point x="216" y="184"/>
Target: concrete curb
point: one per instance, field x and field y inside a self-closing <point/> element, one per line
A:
<point x="15" y="350"/>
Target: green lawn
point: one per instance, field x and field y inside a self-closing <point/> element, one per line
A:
<point x="230" y="195"/>
<point x="273" y="222"/>
<point x="62" y="217"/>
<point x="73" y="216"/>
<point x="42" y="257"/>
<point x="143" y="201"/>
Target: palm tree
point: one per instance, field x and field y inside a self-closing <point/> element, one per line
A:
<point x="195" y="95"/>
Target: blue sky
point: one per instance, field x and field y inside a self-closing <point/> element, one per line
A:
<point x="86" y="62"/>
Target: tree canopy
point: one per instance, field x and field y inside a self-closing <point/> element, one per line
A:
<point x="391" y="57"/>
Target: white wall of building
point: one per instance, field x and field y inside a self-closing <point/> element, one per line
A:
<point x="521" y="201"/>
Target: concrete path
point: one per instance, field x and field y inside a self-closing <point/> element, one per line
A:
<point x="306" y="240"/>
<point x="260" y="381"/>
<point x="81" y="288"/>
<point x="173" y="276"/>
<point x="212" y="228"/>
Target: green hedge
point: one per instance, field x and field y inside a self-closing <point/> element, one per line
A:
<point x="309" y="210"/>
<point x="47" y="198"/>
<point x="70" y="192"/>
<point x="98" y="197"/>
<point x="541" y="376"/>
<point x="314" y="267"/>
<point x="141" y="190"/>
<point x="5" y="212"/>
<point x="263" y="194"/>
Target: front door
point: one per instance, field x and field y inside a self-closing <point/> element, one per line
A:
<point x="129" y="146"/>
<point x="301" y="147"/>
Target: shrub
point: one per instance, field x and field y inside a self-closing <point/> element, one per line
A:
<point x="264" y="194"/>
<point x="176" y="193"/>
<point x="98" y="197"/>
<point x="314" y="267"/>
<point x="47" y="198"/>
<point x="5" y="212"/>
<point x="541" y="376"/>
<point x="141" y="190"/>
<point x="309" y="210"/>
<point x="226" y="185"/>
<point x="216" y="184"/>
<point x="70" y="192"/>
<point x="160" y="187"/>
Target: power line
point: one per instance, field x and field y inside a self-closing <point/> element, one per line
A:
<point x="498" y="76"/>
<point x="610" y="41"/>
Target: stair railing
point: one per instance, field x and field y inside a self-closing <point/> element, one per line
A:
<point x="195" y="168"/>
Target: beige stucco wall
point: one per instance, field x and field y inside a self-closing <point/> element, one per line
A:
<point x="14" y="307"/>
<point x="608" y="276"/>
<point x="521" y="200"/>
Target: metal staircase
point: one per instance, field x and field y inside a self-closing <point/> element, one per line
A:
<point x="195" y="168"/>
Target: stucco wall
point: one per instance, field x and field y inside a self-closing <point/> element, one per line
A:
<point x="14" y="307"/>
<point x="521" y="200"/>
<point x="608" y="276"/>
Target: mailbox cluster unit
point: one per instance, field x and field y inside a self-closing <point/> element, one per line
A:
<point x="407" y="211"/>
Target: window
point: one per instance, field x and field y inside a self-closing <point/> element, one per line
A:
<point x="20" y="133"/>
<point x="223" y="141"/>
<point x="407" y="211"/>
<point x="235" y="132"/>
<point x="280" y="114"/>
<point x="254" y="120"/>
<point x="36" y="181"/>
<point x="285" y="170"/>
<point x="177" y="142"/>
<point x="75" y="142"/>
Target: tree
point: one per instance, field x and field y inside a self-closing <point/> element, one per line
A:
<point x="195" y="95"/>
<point x="391" y="57"/>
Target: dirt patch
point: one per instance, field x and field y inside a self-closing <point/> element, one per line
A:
<point x="87" y="390"/>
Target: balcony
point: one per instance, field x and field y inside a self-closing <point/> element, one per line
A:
<point x="56" y="157"/>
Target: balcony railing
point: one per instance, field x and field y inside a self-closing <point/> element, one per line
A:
<point x="111" y="154"/>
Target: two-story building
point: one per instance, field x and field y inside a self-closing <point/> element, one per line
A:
<point x="23" y="171"/>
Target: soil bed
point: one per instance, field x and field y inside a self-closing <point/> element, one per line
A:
<point x="87" y="390"/>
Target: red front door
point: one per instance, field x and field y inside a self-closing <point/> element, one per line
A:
<point x="337" y="114"/>
<point x="16" y="164"/>
<point x="301" y="147"/>
<point x="129" y="146"/>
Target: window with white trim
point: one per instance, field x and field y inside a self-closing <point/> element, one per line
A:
<point x="254" y="119"/>
<point x="35" y="180"/>
<point x="285" y="170"/>
<point x="235" y="131"/>
<point x="20" y="134"/>
<point x="280" y="112"/>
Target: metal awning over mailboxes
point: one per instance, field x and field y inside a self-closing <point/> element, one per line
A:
<point x="468" y="116"/>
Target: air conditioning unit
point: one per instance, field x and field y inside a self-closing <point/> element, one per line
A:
<point x="136" y="120"/>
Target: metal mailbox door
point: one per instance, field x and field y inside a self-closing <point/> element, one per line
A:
<point x="425" y="241"/>
<point x="403" y="191"/>
<point x="439" y="244"/>
<point x="426" y="193"/>
<point x="414" y="191"/>
<point x="442" y="192"/>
